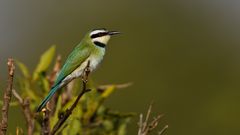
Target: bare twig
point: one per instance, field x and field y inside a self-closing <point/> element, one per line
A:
<point x="145" y="124"/>
<point x="28" y="114"/>
<point x="50" y="109"/>
<point x="68" y="112"/>
<point x="140" y="124"/>
<point x="154" y="123"/>
<point x="163" y="130"/>
<point x="19" y="131"/>
<point x="7" y="97"/>
<point x="52" y="78"/>
<point x="56" y="69"/>
<point x="46" y="123"/>
<point x="101" y="88"/>
<point x="145" y="127"/>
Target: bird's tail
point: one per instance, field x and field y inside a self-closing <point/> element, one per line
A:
<point x="49" y="96"/>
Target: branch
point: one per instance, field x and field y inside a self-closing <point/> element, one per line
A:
<point x="7" y="97"/>
<point x="102" y="88"/>
<point x="68" y="112"/>
<point x="50" y="109"/>
<point x="145" y="127"/>
<point x="46" y="122"/>
<point x="51" y="79"/>
<point x="25" y="105"/>
<point x="56" y="69"/>
<point x="163" y="130"/>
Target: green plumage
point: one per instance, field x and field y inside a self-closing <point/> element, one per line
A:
<point x="74" y="60"/>
<point x="91" y="48"/>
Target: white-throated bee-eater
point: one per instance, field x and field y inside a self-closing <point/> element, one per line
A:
<point x="91" y="49"/>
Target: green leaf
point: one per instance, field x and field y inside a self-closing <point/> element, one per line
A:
<point x="54" y="119"/>
<point x="44" y="62"/>
<point x="31" y="94"/>
<point x="44" y="83"/>
<point x="122" y="127"/>
<point x="15" y="103"/>
<point x="26" y="90"/>
<point x="23" y="69"/>
<point x="29" y="91"/>
<point x="74" y="127"/>
<point x="108" y="91"/>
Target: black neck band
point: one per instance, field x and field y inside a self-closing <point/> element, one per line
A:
<point x="99" y="44"/>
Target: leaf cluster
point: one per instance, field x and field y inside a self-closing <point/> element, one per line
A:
<point x="90" y="117"/>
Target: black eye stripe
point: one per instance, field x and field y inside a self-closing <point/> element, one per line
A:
<point x="99" y="34"/>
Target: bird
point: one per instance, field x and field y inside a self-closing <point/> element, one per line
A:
<point x="90" y="50"/>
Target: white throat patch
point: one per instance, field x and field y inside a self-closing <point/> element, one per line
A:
<point x="103" y="39"/>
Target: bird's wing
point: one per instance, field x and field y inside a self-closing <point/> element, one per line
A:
<point x="74" y="60"/>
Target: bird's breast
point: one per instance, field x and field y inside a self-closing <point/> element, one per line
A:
<point x="94" y="61"/>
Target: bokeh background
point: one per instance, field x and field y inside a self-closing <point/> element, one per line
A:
<point x="182" y="54"/>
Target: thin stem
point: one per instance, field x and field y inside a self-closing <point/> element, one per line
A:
<point x="68" y="112"/>
<point x="51" y="106"/>
<point x="25" y="105"/>
<point x="145" y="127"/>
<point x="45" y="123"/>
<point x="163" y="130"/>
<point x="7" y="97"/>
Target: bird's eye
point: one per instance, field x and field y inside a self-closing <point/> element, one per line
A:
<point x="99" y="35"/>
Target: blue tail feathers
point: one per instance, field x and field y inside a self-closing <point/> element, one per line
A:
<point x="49" y="96"/>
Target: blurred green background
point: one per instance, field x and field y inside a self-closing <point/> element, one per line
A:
<point x="182" y="54"/>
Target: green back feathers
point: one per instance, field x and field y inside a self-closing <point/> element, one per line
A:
<point x="79" y="54"/>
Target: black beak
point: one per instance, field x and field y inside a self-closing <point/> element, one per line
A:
<point x="113" y="33"/>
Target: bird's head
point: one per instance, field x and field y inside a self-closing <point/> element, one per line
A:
<point x="100" y="37"/>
